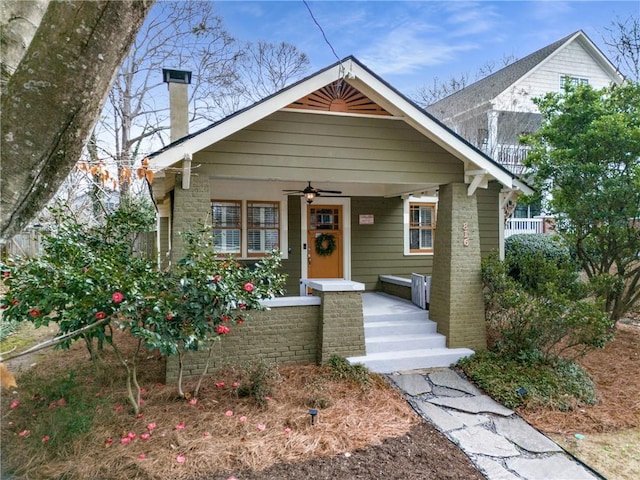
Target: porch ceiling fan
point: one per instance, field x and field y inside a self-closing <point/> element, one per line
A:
<point x="309" y="192"/>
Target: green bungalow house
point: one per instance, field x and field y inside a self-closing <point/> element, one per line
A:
<point x="358" y="188"/>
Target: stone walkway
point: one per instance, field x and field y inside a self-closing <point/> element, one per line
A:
<point x="498" y="442"/>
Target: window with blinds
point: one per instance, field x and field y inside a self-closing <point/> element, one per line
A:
<point x="422" y="225"/>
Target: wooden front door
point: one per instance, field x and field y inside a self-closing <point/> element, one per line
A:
<point x="324" y="241"/>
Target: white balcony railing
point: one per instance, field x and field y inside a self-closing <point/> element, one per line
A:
<point x="523" y="225"/>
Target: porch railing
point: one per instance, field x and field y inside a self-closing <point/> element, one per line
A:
<point x="523" y="225"/>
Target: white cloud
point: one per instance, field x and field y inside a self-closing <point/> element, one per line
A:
<point x="409" y="48"/>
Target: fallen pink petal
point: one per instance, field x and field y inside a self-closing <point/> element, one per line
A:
<point x="206" y="435"/>
<point x="145" y="436"/>
<point x="181" y="458"/>
<point x="118" y="408"/>
<point x="243" y="418"/>
<point x="193" y="401"/>
<point x="220" y="384"/>
<point x="235" y="384"/>
<point x="125" y="440"/>
<point x="261" y="427"/>
<point x="45" y="439"/>
<point x="159" y="384"/>
<point x="229" y="413"/>
<point x="140" y="415"/>
<point x="142" y="456"/>
<point x="180" y="426"/>
<point x="14" y="404"/>
<point x="131" y="435"/>
<point x="151" y="426"/>
<point x="24" y="433"/>
<point x="143" y="391"/>
<point x="287" y="430"/>
<point x="108" y="441"/>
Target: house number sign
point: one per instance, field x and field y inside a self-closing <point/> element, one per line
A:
<point x="465" y="234"/>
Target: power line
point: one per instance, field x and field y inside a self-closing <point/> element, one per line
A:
<point x="320" y="27"/>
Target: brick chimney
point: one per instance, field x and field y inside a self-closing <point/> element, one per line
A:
<point x="178" y="81"/>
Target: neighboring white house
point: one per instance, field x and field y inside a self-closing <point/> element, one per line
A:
<point x="493" y="112"/>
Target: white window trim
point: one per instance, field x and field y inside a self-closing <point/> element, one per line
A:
<point x="406" y="202"/>
<point x="581" y="80"/>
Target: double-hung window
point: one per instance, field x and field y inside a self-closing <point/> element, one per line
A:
<point x="420" y="225"/>
<point x="263" y="227"/>
<point x="246" y="228"/>
<point x="573" y="81"/>
<point x="227" y="227"/>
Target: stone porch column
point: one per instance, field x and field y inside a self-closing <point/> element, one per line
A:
<point x="456" y="302"/>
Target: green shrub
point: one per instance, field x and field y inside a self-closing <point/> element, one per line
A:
<point x="535" y="260"/>
<point x="542" y="324"/>
<point x="560" y="384"/>
<point x="341" y="369"/>
<point x="256" y="380"/>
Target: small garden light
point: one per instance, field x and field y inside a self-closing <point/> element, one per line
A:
<point x="313" y="412"/>
<point x="521" y="391"/>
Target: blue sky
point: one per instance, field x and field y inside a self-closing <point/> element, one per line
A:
<point x="409" y="43"/>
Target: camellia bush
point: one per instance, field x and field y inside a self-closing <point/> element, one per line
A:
<point x="91" y="280"/>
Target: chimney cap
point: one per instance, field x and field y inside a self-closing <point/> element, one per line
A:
<point x="176" y="76"/>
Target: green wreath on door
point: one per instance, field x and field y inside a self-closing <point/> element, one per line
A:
<point x="325" y="244"/>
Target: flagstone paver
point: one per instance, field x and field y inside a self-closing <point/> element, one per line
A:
<point x="478" y="404"/>
<point x="470" y="419"/>
<point x="556" y="467"/>
<point x="447" y="392"/>
<point x="442" y="419"/>
<point x="450" y="379"/>
<point x="494" y="470"/>
<point x="524" y="435"/>
<point x="481" y="441"/>
<point x="413" y="384"/>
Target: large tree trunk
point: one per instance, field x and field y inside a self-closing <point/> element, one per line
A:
<point x="51" y="101"/>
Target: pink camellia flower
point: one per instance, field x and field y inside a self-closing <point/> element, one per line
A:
<point x="145" y="436"/>
<point x="180" y="426"/>
<point x="125" y="440"/>
<point x="142" y="456"/>
<point x="101" y="315"/>
<point x="287" y="430"/>
<point x="151" y="426"/>
<point x="267" y="397"/>
<point x="225" y="318"/>
<point x="206" y="435"/>
<point x="243" y="419"/>
<point x="235" y="384"/>
<point x="169" y="316"/>
<point x="117" y="297"/>
<point x="193" y="401"/>
<point x="248" y="287"/>
<point x="24" y="433"/>
<point x="14" y="404"/>
<point x="222" y="329"/>
<point x="6" y="274"/>
<point x="132" y="435"/>
<point x="229" y="413"/>
<point x="143" y="391"/>
<point x="242" y="306"/>
<point x="61" y="402"/>
<point x="4" y="306"/>
<point x="34" y="312"/>
<point x="240" y="321"/>
<point x="15" y="302"/>
<point x="118" y="408"/>
<point x="181" y="458"/>
<point x="220" y="384"/>
<point x="46" y="438"/>
<point x="216" y="278"/>
<point x="108" y="441"/>
<point x="159" y="384"/>
<point x="140" y="415"/>
<point x="261" y="427"/>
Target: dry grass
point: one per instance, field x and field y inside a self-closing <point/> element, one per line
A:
<point x="211" y="441"/>
<point x="614" y="370"/>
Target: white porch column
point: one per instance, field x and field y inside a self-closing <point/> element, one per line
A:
<point x="492" y="133"/>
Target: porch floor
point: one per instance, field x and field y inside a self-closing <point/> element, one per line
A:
<point x="399" y="336"/>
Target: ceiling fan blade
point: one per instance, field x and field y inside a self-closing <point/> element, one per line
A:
<point x="329" y="191"/>
<point x="292" y="191"/>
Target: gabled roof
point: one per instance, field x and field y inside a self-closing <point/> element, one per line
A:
<point x="490" y="87"/>
<point x="355" y="74"/>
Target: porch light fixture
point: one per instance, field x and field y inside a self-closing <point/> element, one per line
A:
<point x="309" y="196"/>
<point x="313" y="412"/>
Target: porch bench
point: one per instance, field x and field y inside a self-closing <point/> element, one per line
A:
<point x="417" y="288"/>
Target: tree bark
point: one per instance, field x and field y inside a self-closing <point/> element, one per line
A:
<point x="51" y="102"/>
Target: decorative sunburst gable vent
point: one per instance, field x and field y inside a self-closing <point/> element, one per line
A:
<point x="339" y="97"/>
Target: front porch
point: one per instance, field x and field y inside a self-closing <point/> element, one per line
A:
<point x="400" y="336"/>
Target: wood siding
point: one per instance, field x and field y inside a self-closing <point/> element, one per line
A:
<point x="489" y="218"/>
<point x="378" y="249"/>
<point x="573" y="60"/>
<point x="299" y="146"/>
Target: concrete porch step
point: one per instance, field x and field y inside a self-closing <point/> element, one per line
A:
<point x="394" y="343"/>
<point x="405" y="327"/>
<point x="389" y="362"/>
<point x="416" y="315"/>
